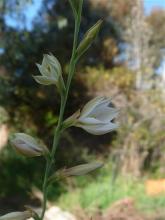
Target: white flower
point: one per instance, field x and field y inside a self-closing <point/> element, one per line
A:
<point x="27" y="145"/>
<point x="50" y="70"/>
<point x="17" y="216"/>
<point x="96" y="117"/>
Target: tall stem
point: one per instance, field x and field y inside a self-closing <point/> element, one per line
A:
<point x="64" y="98"/>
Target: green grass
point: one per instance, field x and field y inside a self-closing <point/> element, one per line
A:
<point x="93" y="193"/>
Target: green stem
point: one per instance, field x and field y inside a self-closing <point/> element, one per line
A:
<point x="64" y="98"/>
<point x="45" y="190"/>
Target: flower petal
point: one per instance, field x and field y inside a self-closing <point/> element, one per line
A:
<point x="40" y="67"/>
<point x="91" y="105"/>
<point x="105" y="114"/>
<point x="26" y="149"/>
<point x="45" y="80"/>
<point x="32" y="142"/>
<point x="89" y="121"/>
<point x="99" y="130"/>
<point x="54" y="62"/>
<point x="26" y="137"/>
<point x="105" y="102"/>
<point x="50" y="66"/>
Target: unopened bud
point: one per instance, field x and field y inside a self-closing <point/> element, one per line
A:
<point x="27" y="145"/>
<point x="82" y="169"/>
<point x="17" y="216"/>
<point x="76" y="171"/>
<point x="88" y="38"/>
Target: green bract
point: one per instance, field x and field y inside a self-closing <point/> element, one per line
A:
<point x="71" y="121"/>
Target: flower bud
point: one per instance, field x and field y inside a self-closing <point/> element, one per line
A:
<point x="82" y="169"/>
<point x="27" y="145"/>
<point x="88" y="38"/>
<point x="17" y="216"/>
<point x="76" y="170"/>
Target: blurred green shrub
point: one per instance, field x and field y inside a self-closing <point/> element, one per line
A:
<point x="3" y="115"/>
<point x="99" y="78"/>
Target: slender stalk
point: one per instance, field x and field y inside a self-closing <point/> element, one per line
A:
<point x="64" y="98"/>
<point x="45" y="190"/>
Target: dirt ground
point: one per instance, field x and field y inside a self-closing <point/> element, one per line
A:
<point x="123" y="210"/>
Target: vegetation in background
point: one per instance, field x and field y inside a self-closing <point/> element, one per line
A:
<point x="93" y="194"/>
